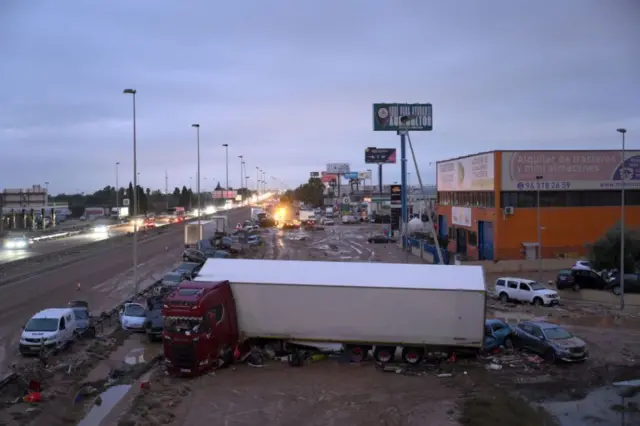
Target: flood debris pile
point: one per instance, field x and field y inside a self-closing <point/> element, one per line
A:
<point x="156" y="402"/>
<point x="501" y="409"/>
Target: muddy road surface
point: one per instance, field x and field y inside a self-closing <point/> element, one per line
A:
<point x="509" y="387"/>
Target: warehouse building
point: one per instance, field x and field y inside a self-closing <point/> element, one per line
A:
<point x="488" y="204"/>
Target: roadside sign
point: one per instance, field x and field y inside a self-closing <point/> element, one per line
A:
<point x="380" y="155"/>
<point x="395" y="192"/>
<point x="380" y="198"/>
<point x="314" y="174"/>
<point x="125" y="202"/>
<point x="350" y="176"/>
<point x="338" y="168"/>
<point x="387" y="117"/>
<point x="346" y="200"/>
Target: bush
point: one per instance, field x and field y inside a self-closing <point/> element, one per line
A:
<point x="605" y="253"/>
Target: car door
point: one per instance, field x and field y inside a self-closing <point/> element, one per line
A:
<point x="538" y="344"/>
<point x="512" y="290"/>
<point x="500" y="331"/>
<point x="525" y="337"/>
<point x="525" y="293"/>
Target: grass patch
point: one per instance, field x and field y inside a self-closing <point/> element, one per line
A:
<point x="502" y="409"/>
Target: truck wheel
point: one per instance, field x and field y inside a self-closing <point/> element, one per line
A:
<point x="356" y="353"/>
<point x="412" y="355"/>
<point x="384" y="354"/>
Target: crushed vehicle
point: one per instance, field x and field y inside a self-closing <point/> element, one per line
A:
<point x="171" y="280"/>
<point x="248" y="303"/>
<point x="190" y="269"/>
<point x="193" y="255"/>
<point x="133" y="316"/>
<point x="154" y="324"/>
<point x="84" y="320"/>
<point x="551" y="341"/>
<point x="497" y="334"/>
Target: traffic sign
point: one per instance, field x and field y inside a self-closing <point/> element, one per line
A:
<point x="125" y="202"/>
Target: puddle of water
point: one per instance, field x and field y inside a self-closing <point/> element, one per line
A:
<point x="602" y="406"/>
<point x="110" y="398"/>
<point x="135" y="350"/>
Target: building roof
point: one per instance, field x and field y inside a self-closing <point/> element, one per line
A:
<point x="350" y="274"/>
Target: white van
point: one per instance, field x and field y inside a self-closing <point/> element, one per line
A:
<point x="53" y="328"/>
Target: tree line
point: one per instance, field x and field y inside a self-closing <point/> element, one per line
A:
<point x="310" y="193"/>
<point x="148" y="200"/>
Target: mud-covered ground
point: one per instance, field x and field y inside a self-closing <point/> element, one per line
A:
<point x="523" y="390"/>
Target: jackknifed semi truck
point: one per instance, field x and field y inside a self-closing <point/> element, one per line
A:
<point x="376" y="309"/>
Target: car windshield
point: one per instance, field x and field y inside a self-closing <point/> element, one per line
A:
<point x="81" y="314"/>
<point x="557" y="333"/>
<point x="42" y="324"/>
<point x="134" y="310"/>
<point x="182" y="325"/>
<point x="537" y="286"/>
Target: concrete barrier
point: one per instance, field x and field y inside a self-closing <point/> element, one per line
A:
<point x="600" y="296"/>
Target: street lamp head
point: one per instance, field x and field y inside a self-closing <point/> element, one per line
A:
<point x="240" y="157"/>
<point x="117" y="163"/>
<point x="129" y="91"/>
<point x="621" y="130"/>
<point x="225" y="145"/>
<point x="538" y="177"/>
<point x="195" y="125"/>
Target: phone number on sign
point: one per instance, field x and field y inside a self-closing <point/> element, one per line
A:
<point x="544" y="185"/>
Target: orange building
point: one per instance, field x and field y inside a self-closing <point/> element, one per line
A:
<point x="489" y="204"/>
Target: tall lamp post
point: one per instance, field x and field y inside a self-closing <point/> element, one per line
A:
<point x="118" y="187"/>
<point x="46" y="200"/>
<point x="226" y="154"/>
<point x="133" y="92"/>
<point x="538" y="179"/>
<point x="197" y="127"/>
<point x="241" y="171"/>
<point x="257" y="180"/>
<point x="623" y="177"/>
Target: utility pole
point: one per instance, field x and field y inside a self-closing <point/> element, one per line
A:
<point x="118" y="187"/>
<point x="538" y="185"/>
<point x="166" y="188"/>
<point x="623" y="177"/>
<point x="133" y="92"/>
<point x="226" y="153"/>
<point x="241" y="171"/>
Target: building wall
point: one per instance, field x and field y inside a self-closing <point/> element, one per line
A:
<point x="477" y="214"/>
<point x="565" y="230"/>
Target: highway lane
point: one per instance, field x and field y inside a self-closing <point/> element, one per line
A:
<point x="51" y="246"/>
<point x="104" y="278"/>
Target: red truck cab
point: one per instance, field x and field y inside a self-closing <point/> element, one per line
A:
<point x="201" y="328"/>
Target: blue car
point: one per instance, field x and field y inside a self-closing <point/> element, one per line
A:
<point x="497" y="333"/>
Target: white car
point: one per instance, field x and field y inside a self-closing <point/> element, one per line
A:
<point x="523" y="290"/>
<point x="326" y="221"/>
<point x="51" y="329"/>
<point x="133" y="316"/>
<point x="582" y="264"/>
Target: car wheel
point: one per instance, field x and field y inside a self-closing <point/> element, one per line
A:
<point x="537" y="302"/>
<point x="504" y="297"/>
<point x="508" y="343"/>
<point x="617" y="290"/>
<point x="575" y="287"/>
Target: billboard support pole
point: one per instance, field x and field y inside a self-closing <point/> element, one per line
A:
<point x="380" y="178"/>
<point x="403" y="183"/>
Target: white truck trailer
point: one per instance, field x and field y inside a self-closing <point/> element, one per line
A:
<point x="364" y="306"/>
<point x="196" y="231"/>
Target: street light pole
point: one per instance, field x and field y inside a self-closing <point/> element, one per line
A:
<point x="133" y="92"/>
<point x="538" y="179"/>
<point x="623" y="177"/>
<point x="197" y="127"/>
<point x="46" y="200"/>
<point x="118" y="187"/>
<point x="226" y="154"/>
<point x="257" y="180"/>
<point x="241" y="173"/>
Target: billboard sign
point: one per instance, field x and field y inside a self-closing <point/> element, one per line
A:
<point x="364" y="175"/>
<point x="395" y="193"/>
<point x="328" y="178"/>
<point x="387" y="117"/>
<point x="569" y="170"/>
<point x="350" y="176"/>
<point x="314" y="174"/>
<point x="379" y="155"/>
<point x="224" y="195"/>
<point x="474" y="173"/>
<point x="338" y="168"/>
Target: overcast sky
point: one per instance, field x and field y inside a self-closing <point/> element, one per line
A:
<point x="290" y="84"/>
